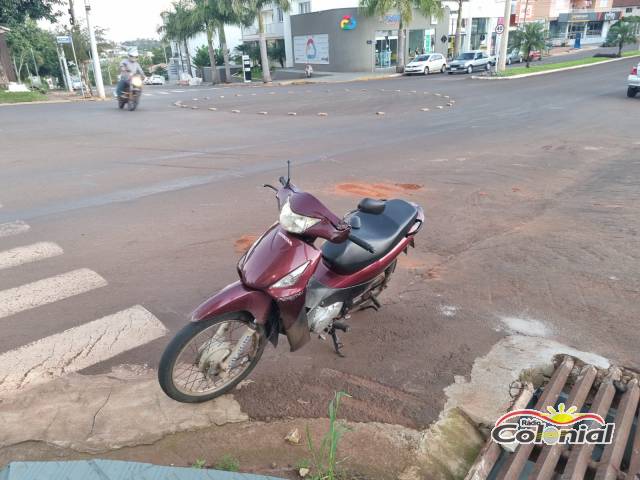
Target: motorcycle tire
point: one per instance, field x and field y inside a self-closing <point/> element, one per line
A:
<point x="121" y="103"/>
<point x="182" y="340"/>
<point x="133" y="104"/>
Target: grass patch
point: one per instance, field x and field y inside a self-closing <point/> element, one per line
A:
<point x="325" y="455"/>
<point x="17" y="97"/>
<point x="558" y="66"/>
<point x="228" y="464"/>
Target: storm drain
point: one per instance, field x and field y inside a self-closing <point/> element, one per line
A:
<point x="612" y="394"/>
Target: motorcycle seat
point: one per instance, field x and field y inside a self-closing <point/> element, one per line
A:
<point x="382" y="230"/>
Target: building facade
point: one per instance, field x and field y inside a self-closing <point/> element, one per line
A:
<point x="571" y="22"/>
<point x="478" y="25"/>
<point x="344" y="40"/>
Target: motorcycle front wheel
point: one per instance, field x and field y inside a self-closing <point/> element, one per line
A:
<point x="206" y="359"/>
<point x="133" y="104"/>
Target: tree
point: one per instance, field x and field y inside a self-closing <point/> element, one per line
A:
<point x="179" y="25"/>
<point x="201" y="58"/>
<point x="623" y="32"/>
<point x="456" y="41"/>
<point x="13" y="12"/>
<point x="529" y="38"/>
<point x="28" y="44"/>
<point x="427" y="8"/>
<point x="252" y="10"/>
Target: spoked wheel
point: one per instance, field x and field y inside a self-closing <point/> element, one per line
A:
<point x="207" y="359"/>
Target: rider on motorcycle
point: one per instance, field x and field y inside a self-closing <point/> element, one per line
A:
<point x="128" y="68"/>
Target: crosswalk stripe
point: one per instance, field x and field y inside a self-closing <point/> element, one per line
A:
<point x="48" y="290"/>
<point x="78" y="348"/>
<point x="29" y="253"/>
<point x="13" y="228"/>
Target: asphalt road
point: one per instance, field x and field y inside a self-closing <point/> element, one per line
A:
<point x="531" y="190"/>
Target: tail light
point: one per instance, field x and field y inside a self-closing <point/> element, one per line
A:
<point x="634" y="71"/>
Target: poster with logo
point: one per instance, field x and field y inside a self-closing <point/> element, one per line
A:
<point x="311" y="49"/>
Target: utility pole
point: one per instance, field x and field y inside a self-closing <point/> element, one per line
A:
<point x="97" y="71"/>
<point x="504" y="40"/>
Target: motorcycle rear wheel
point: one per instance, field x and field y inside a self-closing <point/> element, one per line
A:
<point x="179" y="373"/>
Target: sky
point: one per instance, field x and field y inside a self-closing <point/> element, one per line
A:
<point x="124" y="19"/>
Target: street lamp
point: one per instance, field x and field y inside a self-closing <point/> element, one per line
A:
<point x="97" y="71"/>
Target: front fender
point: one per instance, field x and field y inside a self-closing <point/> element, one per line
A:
<point x="235" y="298"/>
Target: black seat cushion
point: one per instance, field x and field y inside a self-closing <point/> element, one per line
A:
<point x="383" y="231"/>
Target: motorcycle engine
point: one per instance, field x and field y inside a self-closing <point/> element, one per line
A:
<point x="319" y="318"/>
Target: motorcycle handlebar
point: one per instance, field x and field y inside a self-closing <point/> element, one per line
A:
<point x="361" y="243"/>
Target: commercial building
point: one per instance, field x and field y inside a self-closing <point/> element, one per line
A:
<point x="478" y="24"/>
<point x="334" y="35"/>
<point x="571" y="22"/>
<point x="344" y="40"/>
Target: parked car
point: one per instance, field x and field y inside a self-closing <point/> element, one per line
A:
<point x="426" y="64"/>
<point x="515" y="55"/>
<point x="470" y="61"/>
<point x="535" y="55"/>
<point x="154" y="80"/>
<point x="77" y="84"/>
<point x="633" y="82"/>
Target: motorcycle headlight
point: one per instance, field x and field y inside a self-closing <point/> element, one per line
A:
<point x="292" y="277"/>
<point x="294" y="223"/>
<point x="136" y="82"/>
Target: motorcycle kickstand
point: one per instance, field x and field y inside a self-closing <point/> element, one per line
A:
<point x="337" y="344"/>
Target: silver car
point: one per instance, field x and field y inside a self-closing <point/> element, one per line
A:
<point x="426" y="64"/>
<point x="468" y="62"/>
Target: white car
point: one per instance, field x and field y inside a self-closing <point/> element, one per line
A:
<point x="633" y="82"/>
<point x="154" y="80"/>
<point x="426" y="64"/>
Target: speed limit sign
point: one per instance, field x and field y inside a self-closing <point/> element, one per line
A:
<point x="499" y="28"/>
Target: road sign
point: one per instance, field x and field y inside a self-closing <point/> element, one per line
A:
<point x="499" y="29"/>
<point x="63" y="39"/>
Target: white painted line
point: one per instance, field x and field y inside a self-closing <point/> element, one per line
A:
<point x="78" y="348"/>
<point x="148" y="94"/>
<point x="13" y="228"/>
<point x="48" y="290"/>
<point x="27" y="254"/>
<point x="176" y="91"/>
<point x="162" y="93"/>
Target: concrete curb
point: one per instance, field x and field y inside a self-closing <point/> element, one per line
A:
<point x="320" y="81"/>
<point x="534" y="74"/>
<point x="38" y="102"/>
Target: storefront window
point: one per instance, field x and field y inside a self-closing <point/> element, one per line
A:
<point x="386" y="48"/>
<point x="594" y="29"/>
<point x="478" y="33"/>
<point x="576" y="29"/>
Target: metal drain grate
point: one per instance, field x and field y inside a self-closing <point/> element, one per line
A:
<point x="613" y="394"/>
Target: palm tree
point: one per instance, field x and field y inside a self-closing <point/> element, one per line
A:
<point x="179" y="25"/>
<point x="531" y="37"/>
<point x="621" y="33"/>
<point x="215" y="14"/>
<point x="250" y="10"/>
<point x="427" y="8"/>
<point x="456" y="42"/>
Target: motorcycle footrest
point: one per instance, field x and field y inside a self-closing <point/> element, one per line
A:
<point x="343" y="327"/>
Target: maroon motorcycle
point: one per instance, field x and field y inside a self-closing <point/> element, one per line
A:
<point x="289" y="286"/>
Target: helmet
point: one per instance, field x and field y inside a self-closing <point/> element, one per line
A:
<point x="133" y="53"/>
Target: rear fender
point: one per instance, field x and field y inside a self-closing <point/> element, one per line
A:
<point x="236" y="298"/>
